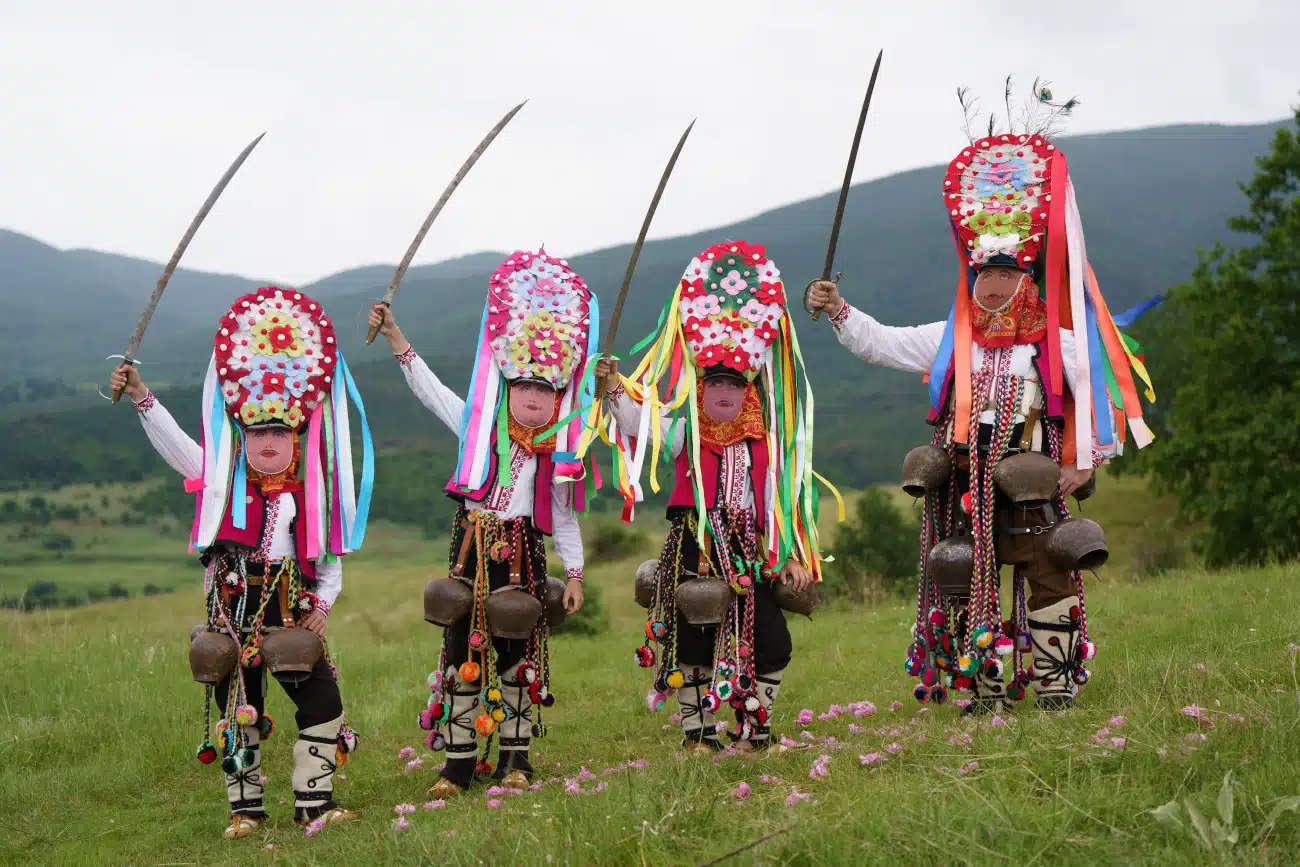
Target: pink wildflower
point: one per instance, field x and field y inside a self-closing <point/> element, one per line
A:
<point x="825" y="717"/>
<point x="1117" y="721"/>
<point x="864" y="708"/>
<point x="600" y="787"/>
<point x="1293" y="648"/>
<point x="584" y="774"/>
<point x="805" y="717"/>
<point x="1200" y="666"/>
<point x="611" y="771"/>
<point x="855" y="729"/>
<point x="413" y="765"/>
<point x="968" y="767"/>
<point x="961" y="703"/>
<point x="1118" y="743"/>
<point x="1162" y="751"/>
<point x="537" y="786"/>
<point x="721" y="726"/>
<point x="895" y="706"/>
<point x="922" y="711"/>
<point x="675" y="718"/>
<point x="807" y="735"/>
<point x="1194" y="738"/>
<point x="495" y="802"/>
<point x="403" y="809"/>
<point x="830" y="741"/>
<point x="405" y="752"/>
<point x="769" y="780"/>
<point x="1236" y="717"/>
<point x="836" y="710"/>
<point x="435" y="805"/>
<point x="871" y="759"/>
<point x="1198" y="713"/>
<point x="796" y="796"/>
<point x="572" y="788"/>
<point x="270" y="847"/>
<point x="997" y="721"/>
<point x="920" y="739"/>
<point x="895" y="748"/>
<point x="741" y="792"/>
<point x="820" y="767"/>
<point x="401" y="824"/>
<point x="785" y="742"/>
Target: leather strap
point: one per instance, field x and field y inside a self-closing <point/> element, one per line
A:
<point x="705" y="551"/>
<point x="1027" y="435"/>
<point x="517" y="561"/>
<point x="466" y="543"/>
<point x="286" y="613"/>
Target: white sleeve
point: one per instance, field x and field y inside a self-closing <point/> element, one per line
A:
<point x="910" y="348"/>
<point x="441" y="400"/>
<point x="329" y="582"/>
<point x="627" y="415"/>
<point x="567" y="535"/>
<point x="181" y="453"/>
<point x="1068" y="358"/>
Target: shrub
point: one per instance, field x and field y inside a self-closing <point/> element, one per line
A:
<point x="875" y="552"/>
<point x="613" y="540"/>
<point x="591" y="619"/>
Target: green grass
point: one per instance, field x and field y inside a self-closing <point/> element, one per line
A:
<point x="99" y="720"/>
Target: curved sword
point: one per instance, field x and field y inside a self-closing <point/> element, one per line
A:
<point x="844" y="189"/>
<point x="636" y="251"/>
<point x="437" y="209"/>
<point x="136" y="336"/>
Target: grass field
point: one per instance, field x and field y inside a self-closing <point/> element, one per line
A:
<point x="99" y="720"/>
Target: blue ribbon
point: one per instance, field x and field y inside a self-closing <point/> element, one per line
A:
<point x="585" y="395"/>
<point x="466" y="412"/>
<point x="367" y="459"/>
<point x="239" y="488"/>
<point x="1101" y="407"/>
<point x="942" y="359"/>
<point x="1133" y="314"/>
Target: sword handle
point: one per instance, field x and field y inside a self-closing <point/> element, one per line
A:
<point x="374" y="330"/>
<point x="117" y="392"/>
<point x="817" y="314"/>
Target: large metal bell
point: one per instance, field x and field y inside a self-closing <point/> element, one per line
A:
<point x="803" y="601"/>
<point x="925" y="469"/>
<point x="554" y="602"/>
<point x="212" y="655"/>
<point x="512" y="612"/>
<point x="952" y="564"/>
<point x="447" y="600"/>
<point x="1028" y="477"/>
<point x="291" y="653"/>
<point x="1087" y="489"/>
<point x="1077" y="543"/>
<point x="703" y="601"/>
<point x="646" y="579"/>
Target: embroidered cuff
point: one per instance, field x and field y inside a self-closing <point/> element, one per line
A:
<point x="616" y="392"/>
<point x="840" y="318"/>
<point x="574" y="573"/>
<point x="1097" y="459"/>
<point x="322" y="606"/>
<point x="146" y="403"/>
<point x="405" y="358"/>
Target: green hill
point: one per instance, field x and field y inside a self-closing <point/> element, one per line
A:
<point x="1149" y="198"/>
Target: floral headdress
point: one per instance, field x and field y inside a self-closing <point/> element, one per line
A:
<point x="1011" y="201"/>
<point x="275" y="361"/>
<point x="729" y="309"/>
<point x="540" y="322"/>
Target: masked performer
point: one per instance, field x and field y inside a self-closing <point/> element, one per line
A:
<point x="737" y="424"/>
<point x="276" y="511"/>
<point x="1030" y="385"/>
<point x="519" y="478"/>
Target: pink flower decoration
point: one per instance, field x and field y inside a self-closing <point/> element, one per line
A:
<point x="805" y="717"/>
<point x="741" y="792"/>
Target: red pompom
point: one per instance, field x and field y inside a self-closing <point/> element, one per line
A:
<point x="207" y="754"/>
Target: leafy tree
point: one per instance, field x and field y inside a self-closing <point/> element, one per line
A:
<point x="875" y="552"/>
<point x="592" y="619"/>
<point x="1228" y="341"/>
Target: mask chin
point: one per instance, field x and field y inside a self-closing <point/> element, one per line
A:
<point x="532" y="419"/>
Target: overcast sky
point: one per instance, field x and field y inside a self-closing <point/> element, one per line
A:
<point x="121" y="116"/>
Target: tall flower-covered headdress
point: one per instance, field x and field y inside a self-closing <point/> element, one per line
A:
<point x="540" y="322"/>
<point x="729" y="311"/>
<point x="1011" y="201"/>
<point x="275" y="361"/>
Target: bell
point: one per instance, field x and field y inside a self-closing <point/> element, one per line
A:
<point x="1076" y="543"/>
<point x="291" y="653"/>
<point x="212" y="655"/>
<point x="925" y="469"/>
<point x="951" y="565"/>
<point x="703" y="601"/>
<point x="1028" y="477"/>
<point x="803" y="601"/>
<point x="512" y="612"/>
<point x="447" y="600"/>
<point x="645" y="582"/>
<point x="554" y="602"/>
<point x="1087" y="489"/>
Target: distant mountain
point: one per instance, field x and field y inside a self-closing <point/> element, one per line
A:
<point x="1149" y="198"/>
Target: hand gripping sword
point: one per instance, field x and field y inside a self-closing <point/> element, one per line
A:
<point x="134" y="346"/>
<point x="844" y="192"/>
<point x="636" y="253"/>
<point x="437" y="209"/>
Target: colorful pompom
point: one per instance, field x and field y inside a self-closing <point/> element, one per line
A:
<point x="921" y="693"/>
<point x="1003" y="646"/>
<point x="993" y="669"/>
<point x="761" y="715"/>
<point x="913" y="666"/>
<point x="348" y="739"/>
<point x="483" y="768"/>
<point x="726" y="670"/>
<point x="492" y="695"/>
<point x="710" y="702"/>
<point x="675" y="679"/>
<point x="527" y="673"/>
<point x="477" y="640"/>
<point x="535" y="693"/>
<point x="426" y="720"/>
<point x="437" y="741"/>
<point x="963" y="683"/>
<point x="751" y="704"/>
<point x="548" y="700"/>
<point x="469" y="671"/>
<point x="485" y="725"/>
<point x="1016" y="691"/>
<point x="937" y="617"/>
<point x="654" y="701"/>
<point x="968" y="665"/>
<point x="230" y="765"/>
<point x="207" y="754"/>
<point x="265" y="726"/>
<point x="743" y="651"/>
<point x="1081" y="675"/>
<point x="498" y="714"/>
<point x="246" y="715"/>
<point x="981" y="637"/>
<point x="1087" y="650"/>
<point x="938" y="695"/>
<point x="645" y="657"/>
<point x="434" y="680"/>
<point x="724" y="690"/>
<point x="929" y="677"/>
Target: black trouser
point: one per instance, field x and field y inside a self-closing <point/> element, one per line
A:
<point x="317" y="698"/>
<point x="772" y="645"/>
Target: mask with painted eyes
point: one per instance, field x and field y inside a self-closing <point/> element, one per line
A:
<point x="532" y="404"/>
<point x="269" y="450"/>
<point x="722" y="398"/>
<point x="996" y="287"/>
